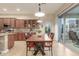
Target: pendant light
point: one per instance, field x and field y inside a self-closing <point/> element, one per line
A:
<point x="39" y="21"/>
<point x="39" y="13"/>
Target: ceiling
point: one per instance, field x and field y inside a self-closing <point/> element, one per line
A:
<point x="74" y="10"/>
<point x="28" y="8"/>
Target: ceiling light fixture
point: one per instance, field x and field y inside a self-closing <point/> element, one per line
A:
<point x="18" y="9"/>
<point x="39" y="14"/>
<point x="39" y="21"/>
<point x="4" y="9"/>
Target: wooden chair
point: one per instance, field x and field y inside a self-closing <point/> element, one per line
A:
<point x="73" y="36"/>
<point x="29" y="44"/>
<point x="33" y="33"/>
<point x="49" y="44"/>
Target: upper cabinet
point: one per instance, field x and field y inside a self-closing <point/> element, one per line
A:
<point x="26" y="24"/>
<point x="11" y="40"/>
<point x="6" y="21"/>
<point x="9" y="21"/>
<point x="12" y="22"/>
<point x="19" y="23"/>
<point x="1" y="23"/>
<point x="31" y="24"/>
<point x="34" y="24"/>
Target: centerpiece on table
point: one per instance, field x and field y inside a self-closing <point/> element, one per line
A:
<point x="39" y="33"/>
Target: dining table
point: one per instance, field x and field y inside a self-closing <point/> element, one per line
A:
<point x="39" y="38"/>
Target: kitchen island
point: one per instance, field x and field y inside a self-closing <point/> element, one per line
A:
<point x="6" y="41"/>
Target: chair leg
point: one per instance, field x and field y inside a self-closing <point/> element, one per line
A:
<point x="49" y="48"/>
<point x="26" y="49"/>
<point x="51" y="52"/>
<point x="29" y="48"/>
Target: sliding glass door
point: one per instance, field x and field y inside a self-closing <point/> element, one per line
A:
<point x="68" y="29"/>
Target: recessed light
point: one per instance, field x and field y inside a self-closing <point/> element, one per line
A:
<point x="4" y="9"/>
<point x="17" y="9"/>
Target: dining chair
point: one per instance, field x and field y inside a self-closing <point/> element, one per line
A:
<point x="73" y="36"/>
<point x="49" y="44"/>
<point x="30" y="45"/>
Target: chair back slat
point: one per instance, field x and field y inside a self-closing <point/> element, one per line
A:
<point x="51" y="35"/>
<point x="73" y="36"/>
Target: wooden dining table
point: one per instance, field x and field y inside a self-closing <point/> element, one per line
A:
<point x="36" y="38"/>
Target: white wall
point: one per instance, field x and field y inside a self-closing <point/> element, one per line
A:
<point x="49" y="20"/>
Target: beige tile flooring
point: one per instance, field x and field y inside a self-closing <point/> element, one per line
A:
<point x="59" y="49"/>
<point x="19" y="49"/>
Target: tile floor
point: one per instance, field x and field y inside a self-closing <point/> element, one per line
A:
<point x="19" y="49"/>
<point x="59" y="49"/>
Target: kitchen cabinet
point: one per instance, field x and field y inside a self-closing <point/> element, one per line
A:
<point x="19" y="23"/>
<point x="26" y="24"/>
<point x="34" y="23"/>
<point x="20" y="36"/>
<point x="11" y="39"/>
<point x="1" y="23"/>
<point x="12" y="22"/>
<point x="6" y="21"/>
<point x="31" y="24"/>
<point x="9" y="21"/>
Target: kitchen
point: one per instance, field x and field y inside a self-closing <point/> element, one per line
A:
<point x="14" y="29"/>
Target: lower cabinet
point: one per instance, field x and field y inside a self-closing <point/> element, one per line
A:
<point x="20" y="36"/>
<point x="10" y="41"/>
<point x="15" y="37"/>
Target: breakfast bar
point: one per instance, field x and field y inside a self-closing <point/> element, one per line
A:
<point x="6" y="42"/>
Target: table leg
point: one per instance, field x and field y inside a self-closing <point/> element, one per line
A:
<point x="26" y="49"/>
<point x="51" y="51"/>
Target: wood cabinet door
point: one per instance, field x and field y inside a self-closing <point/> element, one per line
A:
<point x="22" y="23"/>
<point x="1" y="23"/>
<point x="15" y="37"/>
<point x="19" y="23"/>
<point x="20" y="36"/>
<point x="10" y="41"/>
<point x="6" y="21"/>
<point x="12" y="22"/>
